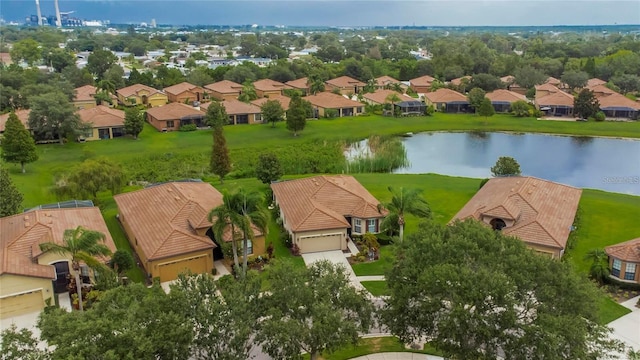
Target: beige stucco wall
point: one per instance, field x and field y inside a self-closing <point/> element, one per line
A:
<point x="268" y="93"/>
<point x="15" y="284"/>
<point x="553" y="252"/>
<point x="84" y="104"/>
<point x="152" y="267"/>
<point x="226" y="96"/>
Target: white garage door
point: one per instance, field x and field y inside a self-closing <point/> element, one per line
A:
<point x="21" y="304"/>
<point x="320" y="243"/>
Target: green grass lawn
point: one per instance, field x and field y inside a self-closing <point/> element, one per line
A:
<point x="609" y="310"/>
<point x="376" y="288"/>
<point x="373" y="346"/>
<point x="378" y="267"/>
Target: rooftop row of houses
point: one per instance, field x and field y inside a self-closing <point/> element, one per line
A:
<point x="168" y="228"/>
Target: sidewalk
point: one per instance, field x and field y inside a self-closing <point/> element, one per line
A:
<point x="627" y="328"/>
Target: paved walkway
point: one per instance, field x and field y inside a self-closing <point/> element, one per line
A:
<point x="398" y="356"/>
<point x="336" y="257"/>
<point x="371" y="278"/>
<point x="627" y="328"/>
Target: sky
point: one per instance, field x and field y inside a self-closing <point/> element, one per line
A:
<point x="340" y="12"/>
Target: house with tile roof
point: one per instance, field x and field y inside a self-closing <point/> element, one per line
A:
<point x="458" y="81"/>
<point x="30" y="277"/>
<point x="421" y="84"/>
<point x="385" y="82"/>
<point x="624" y="261"/>
<point x="447" y="100"/>
<point x="615" y="105"/>
<point x="322" y="102"/>
<point x="185" y="93"/>
<point x="379" y="97"/>
<point x="139" y="94"/>
<point x="405" y="106"/>
<point x="283" y="100"/>
<point x="345" y="84"/>
<point x="224" y="90"/>
<point x="22" y="114"/>
<point x="299" y="84"/>
<point x="85" y="97"/>
<point x="539" y="212"/>
<point x="268" y="88"/>
<point x="594" y="82"/>
<point x="239" y="112"/>
<point x="175" y="115"/>
<point x="510" y="83"/>
<point x="167" y="226"/>
<point x="501" y="99"/>
<point x="322" y="212"/>
<point x="557" y="103"/>
<point x="105" y="123"/>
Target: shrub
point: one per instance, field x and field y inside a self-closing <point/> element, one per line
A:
<point x="371" y="241"/>
<point x="188" y="127"/>
<point x="429" y="110"/>
<point x="520" y="108"/>
<point x="599" y="116"/>
<point x="331" y="113"/>
<point x="295" y="250"/>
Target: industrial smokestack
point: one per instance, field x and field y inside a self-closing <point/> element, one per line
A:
<point x="58" y="19"/>
<point x="39" y="12"/>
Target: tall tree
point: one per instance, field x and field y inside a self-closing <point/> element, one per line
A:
<point x="53" y="116"/>
<point x="199" y="76"/>
<point x="316" y="84"/>
<point x="81" y="245"/>
<point x="268" y="168"/>
<point x="216" y="115"/>
<point x="599" y="269"/>
<point x="89" y="178"/>
<point x="528" y="76"/>
<point x="296" y="115"/>
<point x="486" y="108"/>
<point x="58" y="59"/>
<point x="248" y="92"/>
<point x="313" y="309"/>
<point x="220" y="161"/>
<point x="250" y="207"/>
<point x="221" y="313"/>
<point x="475" y="97"/>
<point x="10" y="197"/>
<point x="486" y="82"/>
<point x="506" y="166"/>
<point x="133" y="121"/>
<point x="392" y="99"/>
<point x="17" y="144"/>
<point x="26" y="49"/>
<point x="115" y="75"/>
<point x="488" y="296"/>
<point x="575" y="79"/>
<point x="100" y="61"/>
<point x="403" y="201"/>
<point x="225" y="216"/>
<point x="20" y="344"/>
<point x="585" y="105"/>
<point x="272" y="112"/>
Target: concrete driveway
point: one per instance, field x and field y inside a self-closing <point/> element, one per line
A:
<point x="336" y="257"/>
<point x="627" y="328"/>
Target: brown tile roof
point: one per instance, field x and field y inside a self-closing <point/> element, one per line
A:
<point x="543" y="210"/>
<point x="509" y="79"/>
<point x="225" y="87"/>
<point x="22" y="114"/>
<point x="627" y="251"/>
<point x="444" y="95"/>
<point x="283" y="100"/>
<point x="502" y="95"/>
<point x="322" y="202"/>
<point x="5" y="58"/>
<point x="331" y="101"/>
<point x="618" y="100"/>
<point x="180" y="88"/>
<point x="236" y="107"/>
<point x="86" y="93"/>
<point x="380" y="96"/>
<point x="299" y="83"/>
<point x="269" y="85"/>
<point x="458" y="81"/>
<point x="134" y="89"/>
<point x="22" y="233"/>
<point x="555" y="99"/>
<point x="595" y="81"/>
<point x="162" y="217"/>
<point x="547" y="88"/>
<point x="385" y="80"/>
<point x="173" y="111"/>
<point x="553" y="81"/>
<point x="102" y="116"/>
<point x="344" y="82"/>
<point x="601" y="91"/>
<point x="422" y="81"/>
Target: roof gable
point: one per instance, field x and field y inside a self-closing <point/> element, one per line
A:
<point x="344" y="82"/>
<point x="181" y="88"/>
<point x="225" y="87"/>
<point x="444" y="95"/>
<point x="173" y="111"/>
<point x="329" y="100"/>
<point x="380" y="96"/>
<point x="425" y="80"/>
<point x="138" y="90"/>
<point x="101" y="116"/>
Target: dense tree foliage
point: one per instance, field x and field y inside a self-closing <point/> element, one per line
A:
<point x="477" y="294"/>
<point x="486" y="108"/>
<point x="506" y="166"/>
<point x="53" y="116"/>
<point x="17" y="145"/>
<point x="133" y="121"/>
<point x="220" y="163"/>
<point x="272" y="112"/>
<point x="90" y="177"/>
<point x="403" y="201"/>
<point x="100" y="61"/>
<point x="268" y="168"/>
<point x="585" y="105"/>
<point x="297" y="115"/>
<point x="10" y="196"/>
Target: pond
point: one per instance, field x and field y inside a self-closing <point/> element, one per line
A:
<point x="585" y="162"/>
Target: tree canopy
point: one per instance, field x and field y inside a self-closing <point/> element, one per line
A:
<point x="90" y="177"/>
<point x="53" y="116"/>
<point x="17" y="144"/>
<point x="585" y="105"/>
<point x="133" y="121"/>
<point x="296" y="115"/>
<point x="506" y="166"/>
<point x="268" y="168"/>
<point x="10" y="196"/>
<point x="477" y="294"/>
<point x="272" y="112"/>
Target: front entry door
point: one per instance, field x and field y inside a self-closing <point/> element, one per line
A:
<point x="61" y="282"/>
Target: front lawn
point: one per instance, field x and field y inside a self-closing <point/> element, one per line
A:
<point x="373" y="346"/>
<point x="378" y="267"/>
<point x="376" y="288"/>
<point x="609" y="310"/>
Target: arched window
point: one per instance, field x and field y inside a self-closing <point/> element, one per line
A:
<point x="497" y="224"/>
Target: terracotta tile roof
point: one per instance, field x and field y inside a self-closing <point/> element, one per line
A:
<point x="322" y="202"/>
<point x="546" y="87"/>
<point x="444" y="95"/>
<point x="225" y="87"/>
<point x="173" y="111"/>
<point x="86" y="93"/>
<point x="102" y="116"/>
<point x="269" y="85"/>
<point x="422" y="81"/>
<point x="601" y="91"/>
<point x="135" y="89"/>
<point x="627" y="251"/>
<point x="617" y="100"/>
<point x="235" y="107"/>
<point x="180" y="88"/>
<point x="345" y="82"/>
<point x="380" y="96"/>
<point x="555" y="99"/>
<point x="162" y="217"/>
<point x="502" y="95"/>
<point x="595" y="81"/>
<point x="22" y="233"/>
<point x="509" y="79"/>
<point x="283" y="100"/>
<point x="385" y="80"/>
<point x="299" y="83"/>
<point x="553" y="81"/>
<point x="331" y="101"/>
<point x="543" y="210"/>
<point x="458" y="81"/>
<point x="5" y="58"/>
<point x="22" y="114"/>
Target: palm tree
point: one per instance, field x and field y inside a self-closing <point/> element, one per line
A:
<point x="599" y="269"/>
<point x="253" y="213"/>
<point x="82" y="245"/>
<point x="404" y="201"/>
<point x="316" y="84"/>
<point x="393" y="99"/>
<point x="225" y="216"/>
